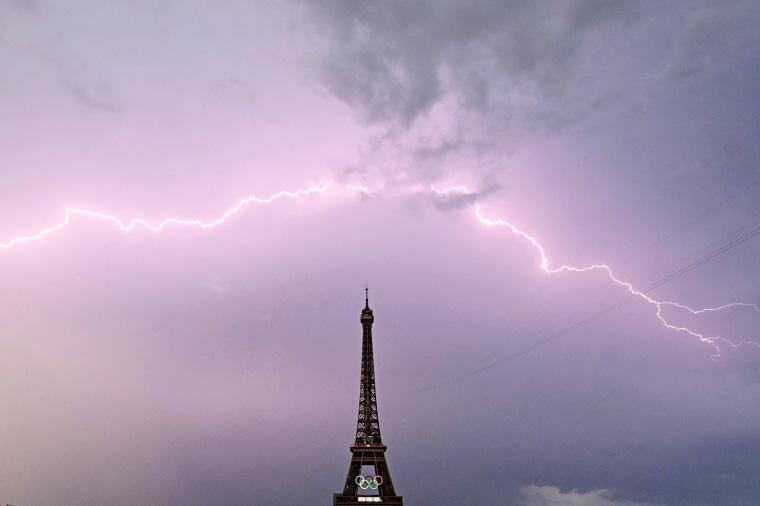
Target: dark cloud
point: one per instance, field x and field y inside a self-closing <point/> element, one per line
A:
<point x="476" y="77"/>
<point x="448" y="81"/>
<point x="436" y="149"/>
<point x="379" y="57"/>
<point x="394" y="61"/>
<point x="715" y="37"/>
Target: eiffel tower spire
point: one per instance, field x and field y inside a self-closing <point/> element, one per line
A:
<point x="368" y="448"/>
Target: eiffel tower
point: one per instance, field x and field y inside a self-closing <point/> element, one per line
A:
<point x="368" y="448"/>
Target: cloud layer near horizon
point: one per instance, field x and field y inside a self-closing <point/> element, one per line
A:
<point x="533" y="495"/>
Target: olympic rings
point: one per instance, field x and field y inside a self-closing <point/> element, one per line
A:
<point x="368" y="482"/>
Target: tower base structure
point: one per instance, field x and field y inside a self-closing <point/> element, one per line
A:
<point x="368" y="455"/>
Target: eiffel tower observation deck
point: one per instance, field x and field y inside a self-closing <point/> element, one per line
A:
<point x="368" y="448"/>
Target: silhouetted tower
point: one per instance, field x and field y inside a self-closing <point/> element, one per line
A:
<point x="368" y="448"/>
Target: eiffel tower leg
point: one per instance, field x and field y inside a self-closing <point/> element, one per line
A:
<point x="354" y="470"/>
<point x="386" y="488"/>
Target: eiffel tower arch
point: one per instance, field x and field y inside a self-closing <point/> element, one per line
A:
<point x="368" y="448"/>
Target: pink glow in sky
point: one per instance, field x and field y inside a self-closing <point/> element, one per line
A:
<point x="144" y="362"/>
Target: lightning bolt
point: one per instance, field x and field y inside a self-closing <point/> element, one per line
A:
<point x="358" y="188"/>
<point x="658" y="304"/>
<point x="71" y="212"/>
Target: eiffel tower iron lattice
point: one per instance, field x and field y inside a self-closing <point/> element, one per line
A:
<point x="368" y="448"/>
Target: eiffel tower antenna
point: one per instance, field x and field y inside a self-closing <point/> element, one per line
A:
<point x="368" y="448"/>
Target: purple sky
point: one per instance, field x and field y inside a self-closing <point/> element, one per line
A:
<point x="220" y="365"/>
